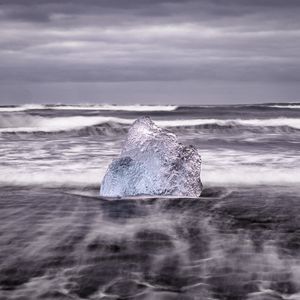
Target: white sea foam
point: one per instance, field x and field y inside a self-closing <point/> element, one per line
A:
<point x="237" y="175"/>
<point x="34" y="163"/>
<point x="241" y="167"/>
<point x="242" y="175"/>
<point x="51" y="177"/>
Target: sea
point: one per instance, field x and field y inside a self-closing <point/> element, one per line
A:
<point x="60" y="240"/>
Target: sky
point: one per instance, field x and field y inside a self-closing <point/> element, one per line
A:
<point x="149" y="51"/>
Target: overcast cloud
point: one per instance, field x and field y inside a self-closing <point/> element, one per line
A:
<point x="130" y="51"/>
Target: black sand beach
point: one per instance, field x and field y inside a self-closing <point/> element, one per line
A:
<point x="229" y="244"/>
<point x="60" y="240"/>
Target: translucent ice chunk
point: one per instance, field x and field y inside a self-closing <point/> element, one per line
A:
<point x="152" y="162"/>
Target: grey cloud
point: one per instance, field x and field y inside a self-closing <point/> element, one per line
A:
<point x="41" y="11"/>
<point x="113" y="41"/>
<point x="225" y="70"/>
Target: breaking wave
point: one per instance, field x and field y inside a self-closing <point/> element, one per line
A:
<point x="34" y="124"/>
<point x="286" y="106"/>
<point x="104" y="107"/>
<point x="26" y="123"/>
<point x="109" y="107"/>
<point x="290" y="122"/>
<point x="21" y="108"/>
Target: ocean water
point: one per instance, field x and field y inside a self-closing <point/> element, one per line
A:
<point x="60" y="240"/>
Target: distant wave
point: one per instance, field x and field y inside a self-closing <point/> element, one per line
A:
<point x="136" y="107"/>
<point x="104" y="107"/>
<point x="129" y="108"/>
<point x="286" y="106"/>
<point x="30" y="124"/>
<point x="21" y="108"/>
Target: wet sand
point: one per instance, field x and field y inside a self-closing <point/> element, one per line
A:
<point x="232" y="243"/>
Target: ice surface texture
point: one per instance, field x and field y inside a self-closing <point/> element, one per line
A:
<point x="153" y="162"/>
